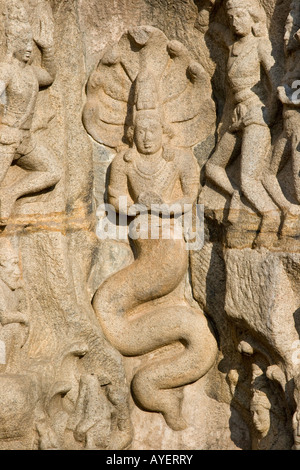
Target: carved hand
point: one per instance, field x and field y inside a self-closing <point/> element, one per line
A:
<point x="281" y="94"/>
<point x="44" y="36"/>
<point x="148" y="198"/>
<point x="204" y="14"/>
<point x="13" y="317"/>
<point x="285" y="98"/>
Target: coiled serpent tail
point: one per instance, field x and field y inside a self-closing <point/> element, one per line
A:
<point x="134" y="325"/>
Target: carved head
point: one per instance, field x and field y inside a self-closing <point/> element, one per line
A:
<point x="292" y="28"/>
<point x="22" y="48"/>
<point x="9" y="265"/>
<point x="260" y="409"/>
<point x="246" y="17"/>
<point x="18" y="32"/>
<point x="148" y="132"/>
<point x="260" y="405"/>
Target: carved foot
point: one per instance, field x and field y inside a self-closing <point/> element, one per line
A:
<point x="268" y="235"/>
<point x="291" y="223"/>
<point x="48" y="438"/>
<point x="265" y="240"/>
<point x="294" y="210"/>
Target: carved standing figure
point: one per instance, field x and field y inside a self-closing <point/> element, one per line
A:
<point x="20" y="82"/>
<point x="250" y="51"/>
<point x="17" y="398"/>
<point x="141" y="308"/>
<point x="296" y="414"/>
<point x="13" y="322"/>
<point x="288" y="141"/>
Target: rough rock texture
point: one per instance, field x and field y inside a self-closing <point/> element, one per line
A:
<point x="111" y="337"/>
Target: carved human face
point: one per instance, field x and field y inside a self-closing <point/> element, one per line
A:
<point x="148" y="135"/>
<point x="261" y="418"/>
<point x="9" y="269"/>
<point x="23" y="51"/>
<point x="241" y="21"/>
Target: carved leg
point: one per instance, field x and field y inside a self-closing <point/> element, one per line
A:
<point x="291" y="226"/>
<point x="270" y="181"/>
<point x="6" y="159"/>
<point x="216" y="166"/>
<point x="296" y="163"/>
<point x="255" y="149"/>
<point x="43" y="172"/>
<point x="94" y="425"/>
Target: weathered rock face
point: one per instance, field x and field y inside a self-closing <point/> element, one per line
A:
<point x="150" y="224"/>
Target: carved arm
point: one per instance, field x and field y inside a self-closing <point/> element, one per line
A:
<point x="190" y="184"/>
<point x="273" y="75"/>
<point x="44" y="40"/>
<point x="13" y="317"/>
<point x="118" y="185"/>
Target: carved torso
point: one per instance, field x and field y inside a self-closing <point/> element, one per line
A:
<point x="159" y="176"/>
<point x="21" y="95"/>
<point x="244" y="66"/>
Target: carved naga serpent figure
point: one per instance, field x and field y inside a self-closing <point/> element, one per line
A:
<point x="152" y="87"/>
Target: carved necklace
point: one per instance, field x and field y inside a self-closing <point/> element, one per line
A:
<point x="147" y="168"/>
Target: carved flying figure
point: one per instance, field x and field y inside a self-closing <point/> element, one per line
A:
<point x="288" y="142"/>
<point x="20" y="82"/>
<point x="250" y="51"/>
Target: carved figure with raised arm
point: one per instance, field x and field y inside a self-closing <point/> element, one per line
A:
<point x="250" y="51"/>
<point x="20" y="82"/>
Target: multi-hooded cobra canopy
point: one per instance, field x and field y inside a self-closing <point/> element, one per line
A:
<point x="146" y="71"/>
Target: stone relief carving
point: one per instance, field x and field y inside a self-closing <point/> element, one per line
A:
<point x="262" y="372"/>
<point x="14" y="322"/>
<point x="56" y="382"/>
<point x="288" y="140"/>
<point x="160" y="79"/>
<point x="123" y="343"/>
<point x="17" y="403"/>
<point x="20" y="83"/>
<point x="250" y="50"/>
